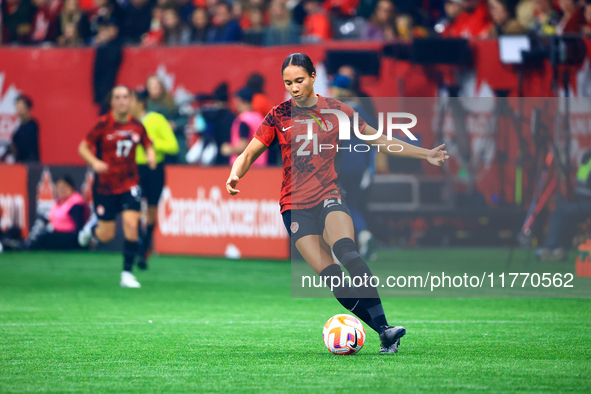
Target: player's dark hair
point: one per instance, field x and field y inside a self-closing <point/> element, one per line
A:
<point x="68" y="179"/>
<point x="245" y="94"/>
<point x="141" y="95"/>
<point x="25" y="99"/>
<point x="299" y="59"/>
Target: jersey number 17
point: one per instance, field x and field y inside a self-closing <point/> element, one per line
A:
<point x="124" y="147"/>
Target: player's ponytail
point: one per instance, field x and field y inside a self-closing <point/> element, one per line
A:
<point x="301" y="60"/>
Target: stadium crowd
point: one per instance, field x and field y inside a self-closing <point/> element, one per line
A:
<point x="72" y="23"/>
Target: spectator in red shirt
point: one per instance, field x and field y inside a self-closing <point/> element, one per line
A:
<point x="473" y="22"/>
<point x="573" y="17"/>
<point x="345" y="8"/>
<point x="242" y="12"/>
<point x="155" y="35"/>
<point x="316" y="24"/>
<point x="44" y="27"/>
<point x="87" y="5"/>
<point x="452" y="8"/>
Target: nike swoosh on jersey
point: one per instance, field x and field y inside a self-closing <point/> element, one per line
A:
<point x="287" y="128"/>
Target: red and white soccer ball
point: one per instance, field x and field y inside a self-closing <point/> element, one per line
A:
<point x="343" y="334"/>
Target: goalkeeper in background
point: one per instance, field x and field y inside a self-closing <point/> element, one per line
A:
<point x="151" y="181"/>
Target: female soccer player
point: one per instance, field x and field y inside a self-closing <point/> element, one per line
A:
<point x="314" y="213"/>
<point x="115" y="189"/>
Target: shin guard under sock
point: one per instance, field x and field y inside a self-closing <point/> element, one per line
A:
<point x="346" y="252"/>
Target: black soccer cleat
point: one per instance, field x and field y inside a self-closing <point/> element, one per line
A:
<point x="391" y="338"/>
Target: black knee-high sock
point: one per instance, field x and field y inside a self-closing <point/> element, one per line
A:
<point x="146" y="243"/>
<point x="129" y="253"/>
<point x="346" y="294"/>
<point x="346" y="252"/>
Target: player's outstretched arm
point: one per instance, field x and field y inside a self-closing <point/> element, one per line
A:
<point x="97" y="165"/>
<point x="242" y="164"/>
<point x="396" y="147"/>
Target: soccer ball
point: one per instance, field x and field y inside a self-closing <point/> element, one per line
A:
<point x="343" y="334"/>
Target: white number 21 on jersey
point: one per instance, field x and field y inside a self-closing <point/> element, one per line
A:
<point x="124" y="147"/>
<point x="302" y="149"/>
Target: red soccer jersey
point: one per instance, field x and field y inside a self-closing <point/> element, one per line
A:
<point x="310" y="167"/>
<point x="474" y="25"/>
<point x="115" y="144"/>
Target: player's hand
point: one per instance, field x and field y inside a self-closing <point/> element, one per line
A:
<point x="231" y="184"/>
<point x="100" y="166"/>
<point x="437" y="156"/>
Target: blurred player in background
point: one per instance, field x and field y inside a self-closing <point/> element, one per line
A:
<point x="116" y="185"/>
<point x="317" y="218"/>
<point x="151" y="180"/>
<point x="357" y="167"/>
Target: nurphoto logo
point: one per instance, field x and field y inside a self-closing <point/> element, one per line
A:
<point x="390" y="118"/>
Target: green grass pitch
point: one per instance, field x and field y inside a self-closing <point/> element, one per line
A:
<point x="213" y="325"/>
